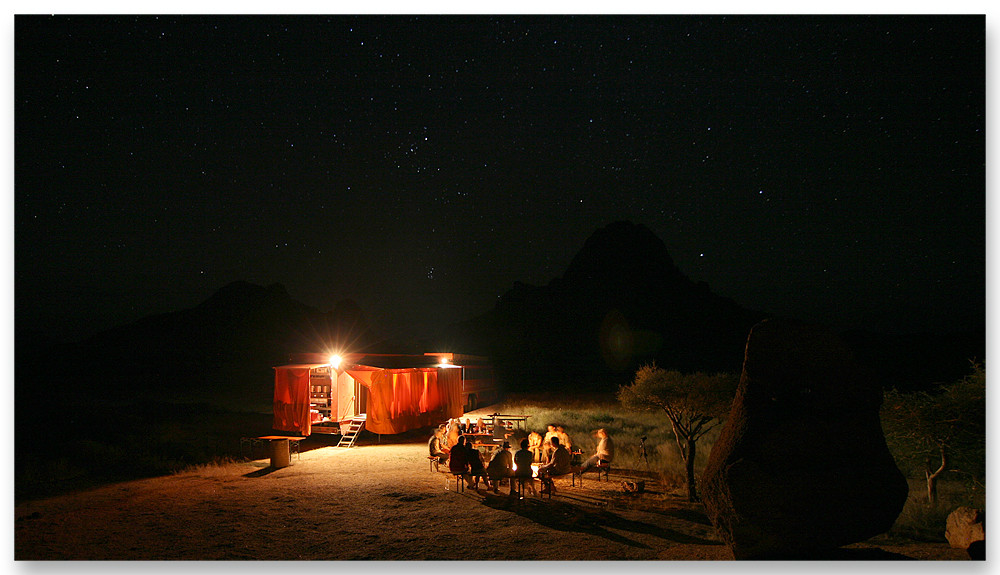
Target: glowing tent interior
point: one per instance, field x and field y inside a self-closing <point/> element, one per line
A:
<point x="396" y="393"/>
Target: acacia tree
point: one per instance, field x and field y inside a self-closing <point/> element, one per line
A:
<point x="940" y="431"/>
<point x="695" y="403"/>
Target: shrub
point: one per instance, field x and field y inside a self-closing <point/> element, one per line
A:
<point x="695" y="404"/>
<point x="939" y="433"/>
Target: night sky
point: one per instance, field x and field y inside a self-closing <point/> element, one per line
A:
<point x="827" y="168"/>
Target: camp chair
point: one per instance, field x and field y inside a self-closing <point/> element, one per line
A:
<point x="519" y="484"/>
<point x="479" y="475"/>
<point x="603" y="467"/>
<point x="460" y="480"/>
<point x="548" y="483"/>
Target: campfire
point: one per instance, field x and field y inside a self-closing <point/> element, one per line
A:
<point x="534" y="469"/>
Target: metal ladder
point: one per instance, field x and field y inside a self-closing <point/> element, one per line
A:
<point x="348" y="437"/>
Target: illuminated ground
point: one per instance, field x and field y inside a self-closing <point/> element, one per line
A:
<point x="370" y="502"/>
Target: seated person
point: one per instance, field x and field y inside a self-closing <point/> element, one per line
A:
<point x="458" y="461"/>
<point x="558" y="464"/>
<point x="523" y="460"/>
<point x="463" y="427"/>
<point x="605" y="451"/>
<point x="481" y="427"/>
<point x="453" y="432"/>
<point x="476" y="468"/>
<point x="564" y="438"/>
<point x="497" y="430"/>
<point x="535" y="446"/>
<point x="500" y="467"/>
<point x="547" y="447"/>
<point x="435" y="447"/>
<point x="500" y="431"/>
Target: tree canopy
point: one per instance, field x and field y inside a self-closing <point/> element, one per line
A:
<point x="695" y="403"/>
<point x="940" y="431"/>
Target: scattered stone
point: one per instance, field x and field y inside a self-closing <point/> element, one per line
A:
<point x="801" y="466"/>
<point x="634" y="486"/>
<point x="965" y="526"/>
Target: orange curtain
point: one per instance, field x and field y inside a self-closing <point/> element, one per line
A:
<point x="363" y="374"/>
<point x="388" y="409"/>
<point x="291" y="399"/>
<point x="405" y="399"/>
<point x="449" y="390"/>
<point x="428" y="392"/>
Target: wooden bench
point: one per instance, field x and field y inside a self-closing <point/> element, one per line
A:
<point x="601" y="467"/>
<point x="476" y="477"/>
<point x="293" y="443"/>
<point x="548" y="483"/>
<point x="435" y="461"/>
<point x="250" y="444"/>
<point x="459" y="481"/>
<point x="518" y="485"/>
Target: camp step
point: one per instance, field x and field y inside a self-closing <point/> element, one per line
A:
<point x="351" y="433"/>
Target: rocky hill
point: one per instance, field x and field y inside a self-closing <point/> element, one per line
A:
<point x="241" y="324"/>
<point x="621" y="303"/>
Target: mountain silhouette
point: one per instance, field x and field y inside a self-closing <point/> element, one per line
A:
<point x="241" y="323"/>
<point x="622" y="302"/>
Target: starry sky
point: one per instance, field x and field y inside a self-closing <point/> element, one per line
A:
<point x="830" y="168"/>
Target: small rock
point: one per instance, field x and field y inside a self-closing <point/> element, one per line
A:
<point x="965" y="526"/>
<point x="634" y="486"/>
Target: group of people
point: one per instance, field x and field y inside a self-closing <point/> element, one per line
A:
<point x="552" y="454"/>
<point x="466" y="461"/>
<point x="455" y="428"/>
<point x="560" y="460"/>
<point x="479" y="427"/>
<point x="545" y="446"/>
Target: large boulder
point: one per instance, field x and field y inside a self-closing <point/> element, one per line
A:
<point x="965" y="526"/>
<point x="801" y="466"/>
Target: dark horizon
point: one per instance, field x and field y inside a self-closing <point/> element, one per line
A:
<point x="830" y="169"/>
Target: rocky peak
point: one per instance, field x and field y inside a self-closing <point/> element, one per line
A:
<point x="623" y="252"/>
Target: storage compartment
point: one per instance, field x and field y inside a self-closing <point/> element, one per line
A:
<point x="320" y="394"/>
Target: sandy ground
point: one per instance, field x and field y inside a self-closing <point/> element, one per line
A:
<point x="370" y="502"/>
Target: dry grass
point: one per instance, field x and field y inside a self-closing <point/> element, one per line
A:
<point x="582" y="415"/>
